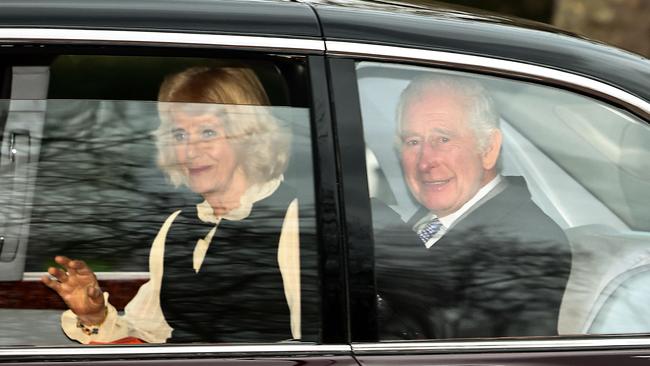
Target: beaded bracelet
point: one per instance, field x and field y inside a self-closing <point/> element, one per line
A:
<point x="91" y="329"/>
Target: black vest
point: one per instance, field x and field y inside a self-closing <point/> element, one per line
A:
<point x="238" y="294"/>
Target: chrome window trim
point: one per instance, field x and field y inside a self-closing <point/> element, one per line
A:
<point x="31" y="35"/>
<point x="112" y="276"/>
<point x="497" y="345"/>
<point x="507" y="68"/>
<point x="495" y="65"/>
<point x="159" y="38"/>
<point x="175" y="350"/>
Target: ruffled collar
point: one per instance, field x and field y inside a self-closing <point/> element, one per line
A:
<point x="254" y="193"/>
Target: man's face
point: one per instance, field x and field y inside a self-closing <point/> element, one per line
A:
<point x="441" y="158"/>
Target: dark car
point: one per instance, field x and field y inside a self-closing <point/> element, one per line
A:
<point x="79" y="85"/>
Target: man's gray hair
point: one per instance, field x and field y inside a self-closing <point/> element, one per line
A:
<point x="482" y="115"/>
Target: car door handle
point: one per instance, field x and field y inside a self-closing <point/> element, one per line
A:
<point x="19" y="145"/>
<point x="19" y="158"/>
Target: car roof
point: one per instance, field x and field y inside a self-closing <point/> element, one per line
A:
<point x="393" y="23"/>
<point x="250" y="17"/>
<point x="448" y="29"/>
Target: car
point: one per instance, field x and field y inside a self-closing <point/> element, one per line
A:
<point x="78" y="172"/>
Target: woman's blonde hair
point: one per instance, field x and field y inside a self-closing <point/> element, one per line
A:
<point x="261" y="145"/>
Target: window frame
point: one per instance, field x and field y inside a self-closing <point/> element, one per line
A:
<point x="334" y="336"/>
<point x="359" y="221"/>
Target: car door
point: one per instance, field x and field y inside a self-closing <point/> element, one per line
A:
<point x="80" y="178"/>
<point x="580" y="145"/>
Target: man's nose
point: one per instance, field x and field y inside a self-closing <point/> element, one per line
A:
<point x="429" y="156"/>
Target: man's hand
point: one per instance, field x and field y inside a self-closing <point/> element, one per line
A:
<point x="78" y="287"/>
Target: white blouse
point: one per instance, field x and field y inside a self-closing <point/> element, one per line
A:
<point x="143" y="318"/>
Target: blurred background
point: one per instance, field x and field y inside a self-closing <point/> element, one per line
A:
<point x="622" y="23"/>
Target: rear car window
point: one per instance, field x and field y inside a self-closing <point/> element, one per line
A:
<point x="82" y="177"/>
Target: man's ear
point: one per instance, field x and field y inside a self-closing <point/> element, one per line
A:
<point x="492" y="151"/>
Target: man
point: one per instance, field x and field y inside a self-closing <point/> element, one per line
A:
<point x="480" y="259"/>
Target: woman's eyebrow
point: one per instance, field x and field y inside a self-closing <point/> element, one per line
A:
<point x="213" y="125"/>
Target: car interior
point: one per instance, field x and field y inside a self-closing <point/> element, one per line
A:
<point x="79" y="152"/>
<point x="583" y="162"/>
<point x="78" y="157"/>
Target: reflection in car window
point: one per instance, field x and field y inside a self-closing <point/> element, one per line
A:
<point x="100" y="190"/>
<point x="531" y="242"/>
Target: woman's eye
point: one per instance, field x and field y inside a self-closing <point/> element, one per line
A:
<point x="179" y="136"/>
<point x="209" y="133"/>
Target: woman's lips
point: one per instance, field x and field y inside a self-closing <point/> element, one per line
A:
<point x="199" y="170"/>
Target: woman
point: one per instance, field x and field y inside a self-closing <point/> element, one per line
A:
<point x="227" y="269"/>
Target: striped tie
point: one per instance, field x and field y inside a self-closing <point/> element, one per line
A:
<point x="430" y="230"/>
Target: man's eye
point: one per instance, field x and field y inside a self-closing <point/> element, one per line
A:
<point x="443" y="140"/>
<point x="411" y="142"/>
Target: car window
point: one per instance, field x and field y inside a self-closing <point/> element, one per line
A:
<point x="206" y="207"/>
<point x="503" y="208"/>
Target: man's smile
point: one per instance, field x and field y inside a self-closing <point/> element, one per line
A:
<point x="435" y="182"/>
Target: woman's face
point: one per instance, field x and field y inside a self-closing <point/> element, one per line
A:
<point x="203" y="152"/>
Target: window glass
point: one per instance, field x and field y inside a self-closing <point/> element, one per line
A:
<point x="195" y="211"/>
<point x="503" y="208"/>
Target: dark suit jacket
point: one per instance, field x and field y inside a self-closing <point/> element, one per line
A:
<point x="500" y="270"/>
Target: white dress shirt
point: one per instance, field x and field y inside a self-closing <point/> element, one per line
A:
<point x="448" y="221"/>
<point x="143" y="317"/>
